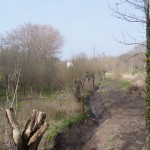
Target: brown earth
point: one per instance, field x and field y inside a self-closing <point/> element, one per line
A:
<point x="118" y="123"/>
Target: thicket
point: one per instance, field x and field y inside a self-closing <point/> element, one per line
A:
<point x="41" y="74"/>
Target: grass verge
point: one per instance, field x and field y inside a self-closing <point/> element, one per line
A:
<point x="103" y="83"/>
<point x="57" y="128"/>
<point x="123" y="84"/>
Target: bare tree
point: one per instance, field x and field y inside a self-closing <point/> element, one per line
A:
<point x="10" y="65"/>
<point x="40" y="41"/>
<point x="132" y="11"/>
<point x="38" y="46"/>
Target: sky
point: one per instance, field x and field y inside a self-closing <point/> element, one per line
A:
<point x="86" y="25"/>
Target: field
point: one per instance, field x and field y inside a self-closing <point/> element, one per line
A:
<point x="61" y="111"/>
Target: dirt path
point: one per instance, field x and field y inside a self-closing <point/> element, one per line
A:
<point x="119" y="123"/>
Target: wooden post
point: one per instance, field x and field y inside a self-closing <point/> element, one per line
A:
<point x="83" y="105"/>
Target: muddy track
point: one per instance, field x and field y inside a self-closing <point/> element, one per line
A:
<point x="117" y="123"/>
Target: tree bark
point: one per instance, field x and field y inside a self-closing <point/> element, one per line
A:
<point x="148" y="73"/>
<point x="32" y="134"/>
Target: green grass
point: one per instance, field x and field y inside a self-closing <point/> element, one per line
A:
<point x="86" y="95"/>
<point x="96" y="87"/>
<point x="103" y="83"/>
<point x="123" y="84"/>
<point x="54" y="130"/>
<point x="2" y="94"/>
<point x="49" y="94"/>
<point x="2" y="98"/>
<point x="111" y="141"/>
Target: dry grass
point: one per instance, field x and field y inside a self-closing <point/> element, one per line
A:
<point x="57" y="108"/>
<point x="136" y="79"/>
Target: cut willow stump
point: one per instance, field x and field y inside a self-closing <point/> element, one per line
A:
<point x="32" y="134"/>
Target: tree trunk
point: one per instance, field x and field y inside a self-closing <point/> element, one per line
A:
<point x="148" y="75"/>
<point x="32" y="134"/>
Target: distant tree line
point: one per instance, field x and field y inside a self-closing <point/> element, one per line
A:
<point x="34" y="49"/>
<point x="31" y="52"/>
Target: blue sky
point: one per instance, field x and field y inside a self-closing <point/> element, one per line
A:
<point x="85" y="24"/>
